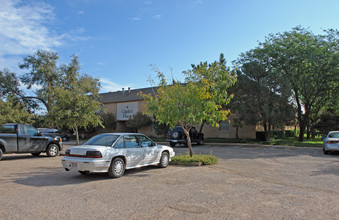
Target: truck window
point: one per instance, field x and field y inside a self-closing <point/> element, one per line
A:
<point x="31" y="130"/>
<point x="8" y="129"/>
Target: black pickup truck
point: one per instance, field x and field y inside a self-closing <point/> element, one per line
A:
<point x="20" y="138"/>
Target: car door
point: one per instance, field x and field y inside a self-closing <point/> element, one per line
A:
<point x="151" y="152"/>
<point x="133" y="152"/>
<point x="29" y="141"/>
<point x="9" y="137"/>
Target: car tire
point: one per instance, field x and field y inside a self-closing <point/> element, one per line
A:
<point x="164" y="160"/>
<point x="325" y="151"/>
<point x="36" y="154"/>
<point x="117" y="168"/>
<point x="1" y="153"/>
<point x="200" y="142"/>
<point x="52" y="150"/>
<point x="172" y="144"/>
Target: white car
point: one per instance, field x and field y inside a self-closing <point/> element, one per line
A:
<point x="331" y="142"/>
<point x="116" y="152"/>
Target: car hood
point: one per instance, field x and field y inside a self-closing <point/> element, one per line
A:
<point x="81" y="150"/>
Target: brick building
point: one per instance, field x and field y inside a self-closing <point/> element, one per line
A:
<point x="124" y="104"/>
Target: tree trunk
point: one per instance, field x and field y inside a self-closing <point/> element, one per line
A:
<point x="267" y="132"/>
<point x="236" y="133"/>
<point x="201" y="126"/>
<point x="308" y="131"/>
<point x="77" y="134"/>
<point x="189" y="143"/>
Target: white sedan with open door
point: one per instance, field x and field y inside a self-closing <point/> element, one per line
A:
<point x="116" y="152"/>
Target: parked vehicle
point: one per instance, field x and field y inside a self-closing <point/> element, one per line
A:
<point x="116" y="152"/>
<point x="20" y="138"/>
<point x="177" y="136"/>
<point x="53" y="132"/>
<point x="331" y="142"/>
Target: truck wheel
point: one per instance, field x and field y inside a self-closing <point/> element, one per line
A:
<point x="200" y="142"/>
<point x="1" y="153"/>
<point x="52" y="150"/>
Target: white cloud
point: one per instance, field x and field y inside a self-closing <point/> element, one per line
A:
<point x="25" y="28"/>
<point x="109" y="86"/>
<point x="157" y="17"/>
<point x="197" y="2"/>
<point x="147" y="2"/>
<point x="81" y="12"/>
<point x="136" y="19"/>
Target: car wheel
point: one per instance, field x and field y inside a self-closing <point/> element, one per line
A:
<point x="164" y="160"/>
<point x="36" y="154"/>
<point x="117" y="168"/>
<point x="1" y="153"/>
<point x="64" y="139"/>
<point x="52" y="150"/>
<point x="325" y="151"/>
<point x="172" y="144"/>
<point x="200" y="142"/>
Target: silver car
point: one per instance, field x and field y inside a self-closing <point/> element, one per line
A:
<point x="331" y="142"/>
<point x="115" y="152"/>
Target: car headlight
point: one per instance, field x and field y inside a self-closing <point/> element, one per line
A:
<point x="58" y="139"/>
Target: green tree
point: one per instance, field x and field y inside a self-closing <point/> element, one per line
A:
<point x="199" y="99"/>
<point x="138" y="121"/>
<point x="109" y="120"/>
<point x="12" y="108"/>
<point x="76" y="100"/>
<point x="328" y="121"/>
<point x="261" y="95"/>
<point x="309" y="63"/>
<point x="43" y="73"/>
<point x="13" y="111"/>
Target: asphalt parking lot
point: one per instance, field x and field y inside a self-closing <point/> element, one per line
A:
<point x="249" y="182"/>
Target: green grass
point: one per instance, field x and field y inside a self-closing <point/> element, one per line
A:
<point x="202" y="159"/>
<point x="291" y="141"/>
<point x="294" y="142"/>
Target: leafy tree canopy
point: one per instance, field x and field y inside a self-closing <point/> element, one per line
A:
<point x="202" y="97"/>
<point x="308" y="62"/>
<point x="138" y="121"/>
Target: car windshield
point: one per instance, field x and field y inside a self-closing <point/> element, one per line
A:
<point x="102" y="140"/>
<point x="334" y="135"/>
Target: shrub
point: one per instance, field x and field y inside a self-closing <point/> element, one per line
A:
<point x="199" y="158"/>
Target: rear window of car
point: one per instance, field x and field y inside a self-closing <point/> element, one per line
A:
<point x="102" y="140"/>
<point x="175" y="129"/>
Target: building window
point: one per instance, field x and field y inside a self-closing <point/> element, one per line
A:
<point x="224" y="126"/>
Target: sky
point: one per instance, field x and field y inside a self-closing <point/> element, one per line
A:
<point x="117" y="41"/>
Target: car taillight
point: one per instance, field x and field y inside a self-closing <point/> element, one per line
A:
<point x="68" y="152"/>
<point x="93" y="154"/>
<point x="332" y="142"/>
